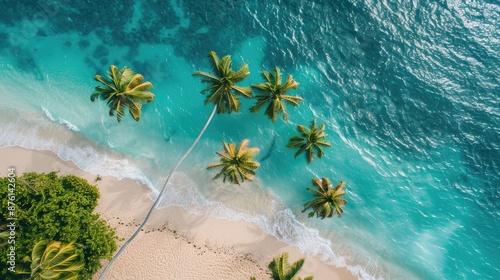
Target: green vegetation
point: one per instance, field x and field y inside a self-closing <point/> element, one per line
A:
<point x="236" y="163"/>
<point x="224" y="94"/>
<point x="123" y="89"/>
<point x="282" y="270"/>
<point x="312" y="140"/>
<point x="328" y="200"/>
<point x="56" y="209"/>
<point x="53" y="260"/>
<point x="4" y="235"/>
<point x="221" y="86"/>
<point x="274" y="94"/>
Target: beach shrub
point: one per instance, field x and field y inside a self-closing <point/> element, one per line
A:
<point x="57" y="208"/>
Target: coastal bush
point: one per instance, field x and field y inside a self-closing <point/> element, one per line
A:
<point x="58" y="208"/>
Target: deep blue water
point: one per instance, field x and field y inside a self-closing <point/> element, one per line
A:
<point x="409" y="92"/>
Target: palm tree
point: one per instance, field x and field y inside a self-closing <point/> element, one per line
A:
<point x="328" y="200"/>
<point x="53" y="260"/>
<point x="123" y="89"/>
<point x="236" y="163"/>
<point x="221" y="86"/>
<point x="282" y="270"/>
<point x="312" y="140"/>
<point x="222" y="91"/>
<point x="274" y="93"/>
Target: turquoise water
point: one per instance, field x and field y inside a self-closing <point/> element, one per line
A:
<point x="409" y="92"/>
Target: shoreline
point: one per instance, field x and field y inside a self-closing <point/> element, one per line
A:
<point x="174" y="244"/>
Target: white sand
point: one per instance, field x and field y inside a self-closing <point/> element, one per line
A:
<point x="175" y="244"/>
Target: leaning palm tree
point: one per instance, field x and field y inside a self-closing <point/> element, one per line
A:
<point x="222" y="89"/>
<point x="328" y="200"/>
<point x="312" y="140"/>
<point x="222" y="92"/>
<point x="53" y="260"/>
<point x="274" y="94"/>
<point x="282" y="270"/>
<point x="236" y="163"/>
<point x="122" y="90"/>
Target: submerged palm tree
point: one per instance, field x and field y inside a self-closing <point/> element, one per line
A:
<point x="53" y="260"/>
<point x="312" y="140"/>
<point x="282" y="270"/>
<point x="236" y="163"/>
<point x="122" y="90"/>
<point x="222" y="90"/>
<point x="328" y="200"/>
<point x="274" y="94"/>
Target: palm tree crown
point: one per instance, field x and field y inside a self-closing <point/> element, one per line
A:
<point x="328" y="200"/>
<point x="53" y="260"/>
<point x="123" y="89"/>
<point x="274" y="93"/>
<point x="282" y="270"/>
<point x="312" y="140"/>
<point x="236" y="163"/>
<point x="222" y="88"/>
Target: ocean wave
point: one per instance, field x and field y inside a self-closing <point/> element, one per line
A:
<point x="278" y="221"/>
<point x="48" y="114"/>
<point x="61" y="120"/>
<point x="61" y="139"/>
<point x="68" y="124"/>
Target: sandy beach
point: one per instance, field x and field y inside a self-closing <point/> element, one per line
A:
<point x="174" y="244"/>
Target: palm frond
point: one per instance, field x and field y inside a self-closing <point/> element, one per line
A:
<point x="294" y="100"/>
<point x="241" y="73"/>
<point x="135" y="81"/>
<point x="245" y="91"/>
<point x="214" y="61"/>
<point x="281" y="269"/>
<point x="206" y="77"/>
<point x="53" y="260"/>
<point x="289" y="84"/>
<point x="142" y="87"/>
<point x="261" y="101"/>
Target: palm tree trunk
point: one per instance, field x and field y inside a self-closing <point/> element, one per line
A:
<point x="158" y="199"/>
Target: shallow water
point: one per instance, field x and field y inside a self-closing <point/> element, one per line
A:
<point x="409" y="92"/>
